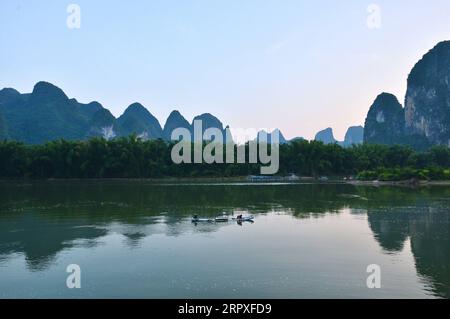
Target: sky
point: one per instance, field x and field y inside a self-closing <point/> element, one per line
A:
<point x="300" y="66"/>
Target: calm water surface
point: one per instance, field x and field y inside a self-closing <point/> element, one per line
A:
<point x="136" y="240"/>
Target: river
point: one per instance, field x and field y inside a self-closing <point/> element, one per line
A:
<point x="135" y="239"/>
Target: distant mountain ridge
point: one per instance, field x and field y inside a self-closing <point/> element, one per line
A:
<point x="353" y="136"/>
<point x="47" y="114"/>
<point x="138" y="120"/>
<point x="326" y="136"/>
<point x="266" y="137"/>
<point x="175" y="120"/>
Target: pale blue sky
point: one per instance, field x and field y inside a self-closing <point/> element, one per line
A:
<point x="298" y="65"/>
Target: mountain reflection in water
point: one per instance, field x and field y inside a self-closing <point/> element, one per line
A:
<point x="43" y="219"/>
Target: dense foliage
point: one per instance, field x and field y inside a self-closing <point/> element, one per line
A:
<point x="134" y="158"/>
<point x="407" y="173"/>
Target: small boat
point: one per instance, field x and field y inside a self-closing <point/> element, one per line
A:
<point x="244" y="218"/>
<point x="222" y="218"/>
<point x="202" y="220"/>
<point x="197" y="219"/>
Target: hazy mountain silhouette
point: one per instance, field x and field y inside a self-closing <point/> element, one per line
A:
<point x="48" y="114"/>
<point x="175" y="120"/>
<point x="208" y="121"/>
<point x="139" y="121"/>
<point x="354" y="136"/>
<point x="265" y="137"/>
<point x="326" y="136"/>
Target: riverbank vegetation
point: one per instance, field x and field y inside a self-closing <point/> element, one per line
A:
<point x="134" y="158"/>
<point x="406" y="173"/>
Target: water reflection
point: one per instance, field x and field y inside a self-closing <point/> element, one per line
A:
<point x="427" y="229"/>
<point x="39" y="220"/>
<point x="40" y="238"/>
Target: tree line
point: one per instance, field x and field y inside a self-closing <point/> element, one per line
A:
<point x="131" y="157"/>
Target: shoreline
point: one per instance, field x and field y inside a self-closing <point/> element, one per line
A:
<point x="399" y="183"/>
<point x="242" y="179"/>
